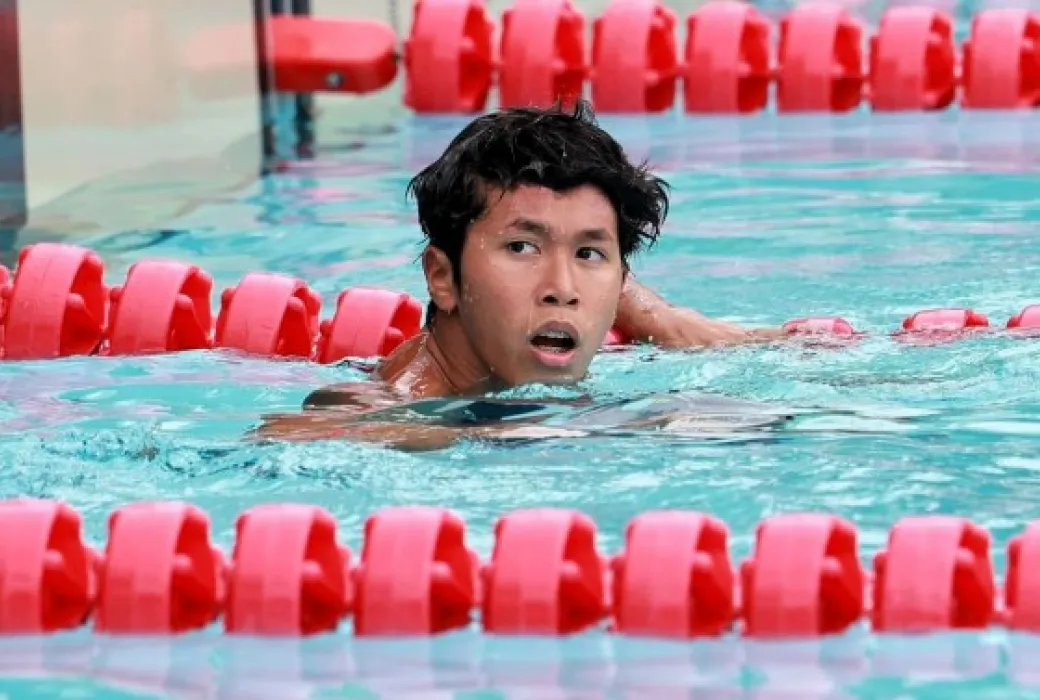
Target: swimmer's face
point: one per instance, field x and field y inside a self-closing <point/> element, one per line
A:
<point x="541" y="278"/>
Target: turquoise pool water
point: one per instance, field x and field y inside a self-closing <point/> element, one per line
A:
<point x="866" y="217"/>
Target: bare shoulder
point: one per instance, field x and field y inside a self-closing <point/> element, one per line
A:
<point x="326" y="411"/>
<point x="359" y="396"/>
<point x="390" y="383"/>
<point x="359" y="408"/>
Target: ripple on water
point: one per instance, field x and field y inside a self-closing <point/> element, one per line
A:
<point x="770" y="222"/>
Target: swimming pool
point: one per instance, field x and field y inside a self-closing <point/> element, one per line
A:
<point x="863" y="216"/>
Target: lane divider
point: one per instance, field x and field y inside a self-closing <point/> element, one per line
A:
<point x="819" y="58"/>
<point x="57" y="304"/>
<point x="289" y="575"/>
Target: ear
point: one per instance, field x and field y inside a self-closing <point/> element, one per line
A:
<point x="440" y="282"/>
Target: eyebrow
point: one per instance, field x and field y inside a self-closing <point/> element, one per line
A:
<point x="540" y="229"/>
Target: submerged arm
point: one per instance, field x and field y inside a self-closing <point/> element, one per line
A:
<point x="313" y="425"/>
<point x="323" y="419"/>
<point x="332" y="424"/>
<point x="645" y="317"/>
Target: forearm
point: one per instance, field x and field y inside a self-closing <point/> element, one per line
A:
<point x="646" y="317"/>
<point x="316" y="425"/>
<point x="311" y="426"/>
<point x="642" y="315"/>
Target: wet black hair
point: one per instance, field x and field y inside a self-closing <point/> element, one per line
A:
<point x="553" y="147"/>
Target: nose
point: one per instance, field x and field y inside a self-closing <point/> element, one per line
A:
<point x="559" y="286"/>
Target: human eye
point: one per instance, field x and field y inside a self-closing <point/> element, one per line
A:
<point x="591" y="254"/>
<point x="521" y="247"/>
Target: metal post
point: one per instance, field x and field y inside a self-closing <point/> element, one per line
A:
<point x="304" y="121"/>
<point x="261" y="12"/>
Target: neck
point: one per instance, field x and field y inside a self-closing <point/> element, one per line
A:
<point x="458" y="362"/>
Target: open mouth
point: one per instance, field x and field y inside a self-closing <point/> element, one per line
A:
<point x="554" y="341"/>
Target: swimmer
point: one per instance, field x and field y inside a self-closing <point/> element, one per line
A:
<point x="531" y="217"/>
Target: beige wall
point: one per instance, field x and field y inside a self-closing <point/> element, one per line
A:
<point x="117" y="132"/>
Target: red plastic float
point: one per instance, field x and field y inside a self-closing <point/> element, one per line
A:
<point x="939" y="326"/>
<point x="804" y="578"/>
<point x="542" y="54"/>
<point x="164" y="306"/>
<point x="1026" y="319"/>
<point x="913" y="60"/>
<point x="935" y="575"/>
<point x="56" y="305"/>
<point x="728" y="59"/>
<point x="545" y="575"/>
<point x="161" y="572"/>
<point x="944" y="320"/>
<point x="615" y="338"/>
<point x="448" y="57"/>
<point x="368" y="323"/>
<point x="309" y="54"/>
<point x="450" y="62"/>
<point x="1022" y="588"/>
<point x="634" y="57"/>
<point x="289" y="575"/>
<point x="269" y="314"/>
<point x="820" y="60"/>
<point x="1002" y="60"/>
<point x="48" y="580"/>
<point x="416" y="574"/>
<point x="674" y="578"/>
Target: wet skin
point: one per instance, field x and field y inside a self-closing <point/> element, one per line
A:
<point x="542" y="282"/>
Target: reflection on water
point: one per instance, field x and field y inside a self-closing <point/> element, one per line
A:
<point x="466" y="664"/>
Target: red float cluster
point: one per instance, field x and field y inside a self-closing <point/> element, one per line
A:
<point x="819" y="57"/>
<point x="288" y="574"/>
<point x="927" y="327"/>
<point x="57" y="304"/>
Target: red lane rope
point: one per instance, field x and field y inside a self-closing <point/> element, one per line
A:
<point x="288" y="575"/>
<point x="819" y="57"/>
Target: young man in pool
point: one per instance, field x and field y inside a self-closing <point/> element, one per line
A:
<point x="531" y="217"/>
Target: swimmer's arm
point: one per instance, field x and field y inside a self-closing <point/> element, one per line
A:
<point x="316" y="425"/>
<point x="646" y="317"/>
<point x="344" y="411"/>
<point x="332" y="424"/>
